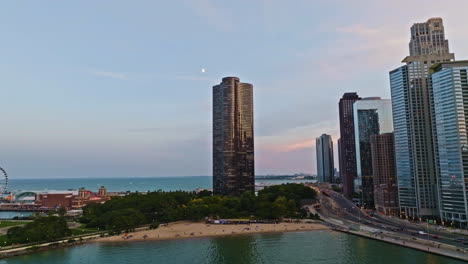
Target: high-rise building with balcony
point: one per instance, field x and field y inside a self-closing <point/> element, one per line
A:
<point x="384" y="171"/>
<point x="449" y="81"/>
<point x="347" y="144"/>
<point x="372" y="116"/>
<point x="412" y="101"/>
<point x="325" y="161"/>
<point x="233" y="137"/>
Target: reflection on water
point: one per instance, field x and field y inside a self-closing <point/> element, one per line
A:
<point x="296" y="248"/>
<point x="236" y="250"/>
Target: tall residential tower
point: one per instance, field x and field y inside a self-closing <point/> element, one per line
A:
<point x="413" y="114"/>
<point x="233" y="137"/>
<point x="325" y="162"/>
<point x="347" y="144"/>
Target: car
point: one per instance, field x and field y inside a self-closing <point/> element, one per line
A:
<point x="435" y="236"/>
<point x="422" y="233"/>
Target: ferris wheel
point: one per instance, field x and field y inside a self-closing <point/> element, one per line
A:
<point x="3" y="181"/>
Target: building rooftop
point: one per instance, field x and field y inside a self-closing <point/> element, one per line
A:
<point x="438" y="66"/>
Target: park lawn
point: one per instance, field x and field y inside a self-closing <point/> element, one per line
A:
<point x="82" y="230"/>
<point x="7" y="223"/>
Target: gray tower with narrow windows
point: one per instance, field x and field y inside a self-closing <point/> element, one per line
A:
<point x="325" y="162"/>
<point x="233" y="137"/>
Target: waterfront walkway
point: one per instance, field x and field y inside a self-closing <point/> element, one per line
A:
<point x="399" y="239"/>
<point x="419" y="244"/>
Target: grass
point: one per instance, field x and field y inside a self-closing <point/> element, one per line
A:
<point x="6" y="223"/>
<point x="83" y="230"/>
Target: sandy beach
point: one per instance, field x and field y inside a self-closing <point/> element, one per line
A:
<point x="194" y="229"/>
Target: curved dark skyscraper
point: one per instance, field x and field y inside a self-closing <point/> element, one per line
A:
<point x="233" y="137"/>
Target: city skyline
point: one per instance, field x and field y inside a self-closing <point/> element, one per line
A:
<point x="89" y="99"/>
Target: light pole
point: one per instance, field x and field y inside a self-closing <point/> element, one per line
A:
<point x="427" y="228"/>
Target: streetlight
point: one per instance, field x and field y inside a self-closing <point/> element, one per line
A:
<point x="427" y="228"/>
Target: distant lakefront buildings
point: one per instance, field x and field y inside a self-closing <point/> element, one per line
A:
<point x="408" y="156"/>
<point x="233" y="137"/>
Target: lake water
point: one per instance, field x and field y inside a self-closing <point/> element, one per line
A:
<point x="11" y="215"/>
<point x="318" y="247"/>
<point x="186" y="183"/>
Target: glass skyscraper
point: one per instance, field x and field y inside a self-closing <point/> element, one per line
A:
<point x="372" y="116"/>
<point x="450" y="87"/>
<point x="402" y="135"/>
<point x="413" y="115"/>
<point x="325" y="161"/>
<point x="233" y="137"/>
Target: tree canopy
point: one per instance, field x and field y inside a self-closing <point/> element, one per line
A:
<point x="128" y="212"/>
<point x="40" y="230"/>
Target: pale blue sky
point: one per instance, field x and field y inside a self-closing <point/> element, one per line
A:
<point x="115" y="88"/>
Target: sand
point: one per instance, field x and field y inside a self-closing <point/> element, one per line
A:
<point x="194" y="229"/>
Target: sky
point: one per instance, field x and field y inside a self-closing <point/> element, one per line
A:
<point x="115" y="88"/>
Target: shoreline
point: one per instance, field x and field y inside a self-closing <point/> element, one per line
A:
<point x="187" y="229"/>
<point x="401" y="242"/>
<point x="171" y="230"/>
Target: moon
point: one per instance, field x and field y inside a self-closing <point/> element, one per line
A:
<point x="203" y="70"/>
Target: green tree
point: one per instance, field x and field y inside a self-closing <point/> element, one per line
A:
<point x="62" y="211"/>
<point x="41" y="229"/>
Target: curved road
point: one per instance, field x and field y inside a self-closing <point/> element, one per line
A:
<point x="337" y="206"/>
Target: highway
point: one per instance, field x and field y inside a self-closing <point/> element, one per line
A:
<point x="335" y="205"/>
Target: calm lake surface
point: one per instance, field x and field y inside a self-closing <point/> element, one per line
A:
<point x="318" y="247"/>
<point x="185" y="183"/>
<point x="11" y="215"/>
